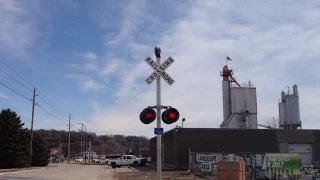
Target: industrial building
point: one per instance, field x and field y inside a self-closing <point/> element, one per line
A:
<point x="177" y="142"/>
<point x="289" y="109"/>
<point x="238" y="133"/>
<point x="239" y="103"/>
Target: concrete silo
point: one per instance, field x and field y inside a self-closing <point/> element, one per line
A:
<point x="289" y="109"/>
<point x="239" y="103"/>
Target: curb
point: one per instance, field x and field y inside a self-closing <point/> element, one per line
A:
<point x="14" y="172"/>
<point x="133" y="169"/>
<point x="29" y="170"/>
<point x="117" y="174"/>
<point x="164" y="168"/>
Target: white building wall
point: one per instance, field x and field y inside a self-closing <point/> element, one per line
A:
<point x="241" y="99"/>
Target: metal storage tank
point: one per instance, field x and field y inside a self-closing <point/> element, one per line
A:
<point x="242" y="98"/>
<point x="282" y="113"/>
<point x="293" y="110"/>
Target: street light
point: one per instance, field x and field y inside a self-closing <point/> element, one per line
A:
<point x="183" y="119"/>
<point x="81" y="139"/>
<point x="85" y="156"/>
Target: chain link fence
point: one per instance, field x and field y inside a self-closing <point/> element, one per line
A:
<point x="258" y="166"/>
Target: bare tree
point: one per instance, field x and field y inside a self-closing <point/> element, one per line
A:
<point x="273" y="122"/>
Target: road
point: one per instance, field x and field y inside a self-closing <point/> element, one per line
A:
<point x="65" y="172"/>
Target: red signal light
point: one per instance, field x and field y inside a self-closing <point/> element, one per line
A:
<point x="170" y="116"/>
<point x="147" y="116"/>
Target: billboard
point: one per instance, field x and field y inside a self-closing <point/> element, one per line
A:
<point x="282" y="163"/>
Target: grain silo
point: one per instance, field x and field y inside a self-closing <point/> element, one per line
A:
<point x="289" y="109"/>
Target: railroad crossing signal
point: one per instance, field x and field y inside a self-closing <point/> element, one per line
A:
<point x="159" y="70"/>
<point x="170" y="116"/>
<point x="147" y="116"/>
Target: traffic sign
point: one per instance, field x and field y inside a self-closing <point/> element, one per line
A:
<point x="158" y="130"/>
<point x="159" y="70"/>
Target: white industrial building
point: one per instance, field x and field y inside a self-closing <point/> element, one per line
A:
<point x="289" y="118"/>
<point x="289" y="109"/>
<point x="239" y="103"/>
<point x="240" y="112"/>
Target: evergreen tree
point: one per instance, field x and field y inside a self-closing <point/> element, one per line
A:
<point x="14" y="141"/>
<point x="40" y="156"/>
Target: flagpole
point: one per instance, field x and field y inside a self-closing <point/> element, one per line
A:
<point x="226" y="60"/>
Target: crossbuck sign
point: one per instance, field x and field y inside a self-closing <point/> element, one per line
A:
<point x="159" y="70"/>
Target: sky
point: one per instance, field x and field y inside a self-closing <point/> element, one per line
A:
<point x="87" y="58"/>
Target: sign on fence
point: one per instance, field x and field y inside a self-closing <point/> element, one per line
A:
<point x="281" y="163"/>
<point x="206" y="167"/>
<point x="208" y="158"/>
<point x="257" y="165"/>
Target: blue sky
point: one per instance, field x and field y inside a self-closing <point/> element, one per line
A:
<point x="86" y="57"/>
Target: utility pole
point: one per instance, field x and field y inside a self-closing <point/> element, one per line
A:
<point x="140" y="146"/>
<point x="32" y="118"/>
<point x="90" y="147"/>
<point x="60" y="143"/>
<point x="81" y="139"/>
<point x="69" y="139"/>
<point x="85" y="144"/>
<point x="85" y="147"/>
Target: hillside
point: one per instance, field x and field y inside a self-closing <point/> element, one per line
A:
<point x="101" y="144"/>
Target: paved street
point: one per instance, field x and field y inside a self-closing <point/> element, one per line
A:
<point x="65" y="172"/>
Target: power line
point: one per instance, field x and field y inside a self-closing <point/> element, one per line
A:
<point x="51" y="107"/>
<point x="32" y="86"/>
<point x="50" y="102"/>
<point x="29" y="99"/>
<point x="49" y="113"/>
<point x="16" y="73"/>
<point x="21" y="95"/>
<point x="16" y="80"/>
<point x="74" y="120"/>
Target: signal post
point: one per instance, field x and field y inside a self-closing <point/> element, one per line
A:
<point x="148" y="115"/>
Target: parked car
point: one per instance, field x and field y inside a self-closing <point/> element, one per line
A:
<point x="126" y="160"/>
<point x="99" y="160"/>
<point x="79" y="159"/>
<point x="57" y="159"/>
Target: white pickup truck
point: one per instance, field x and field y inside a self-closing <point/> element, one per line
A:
<point x="126" y="160"/>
